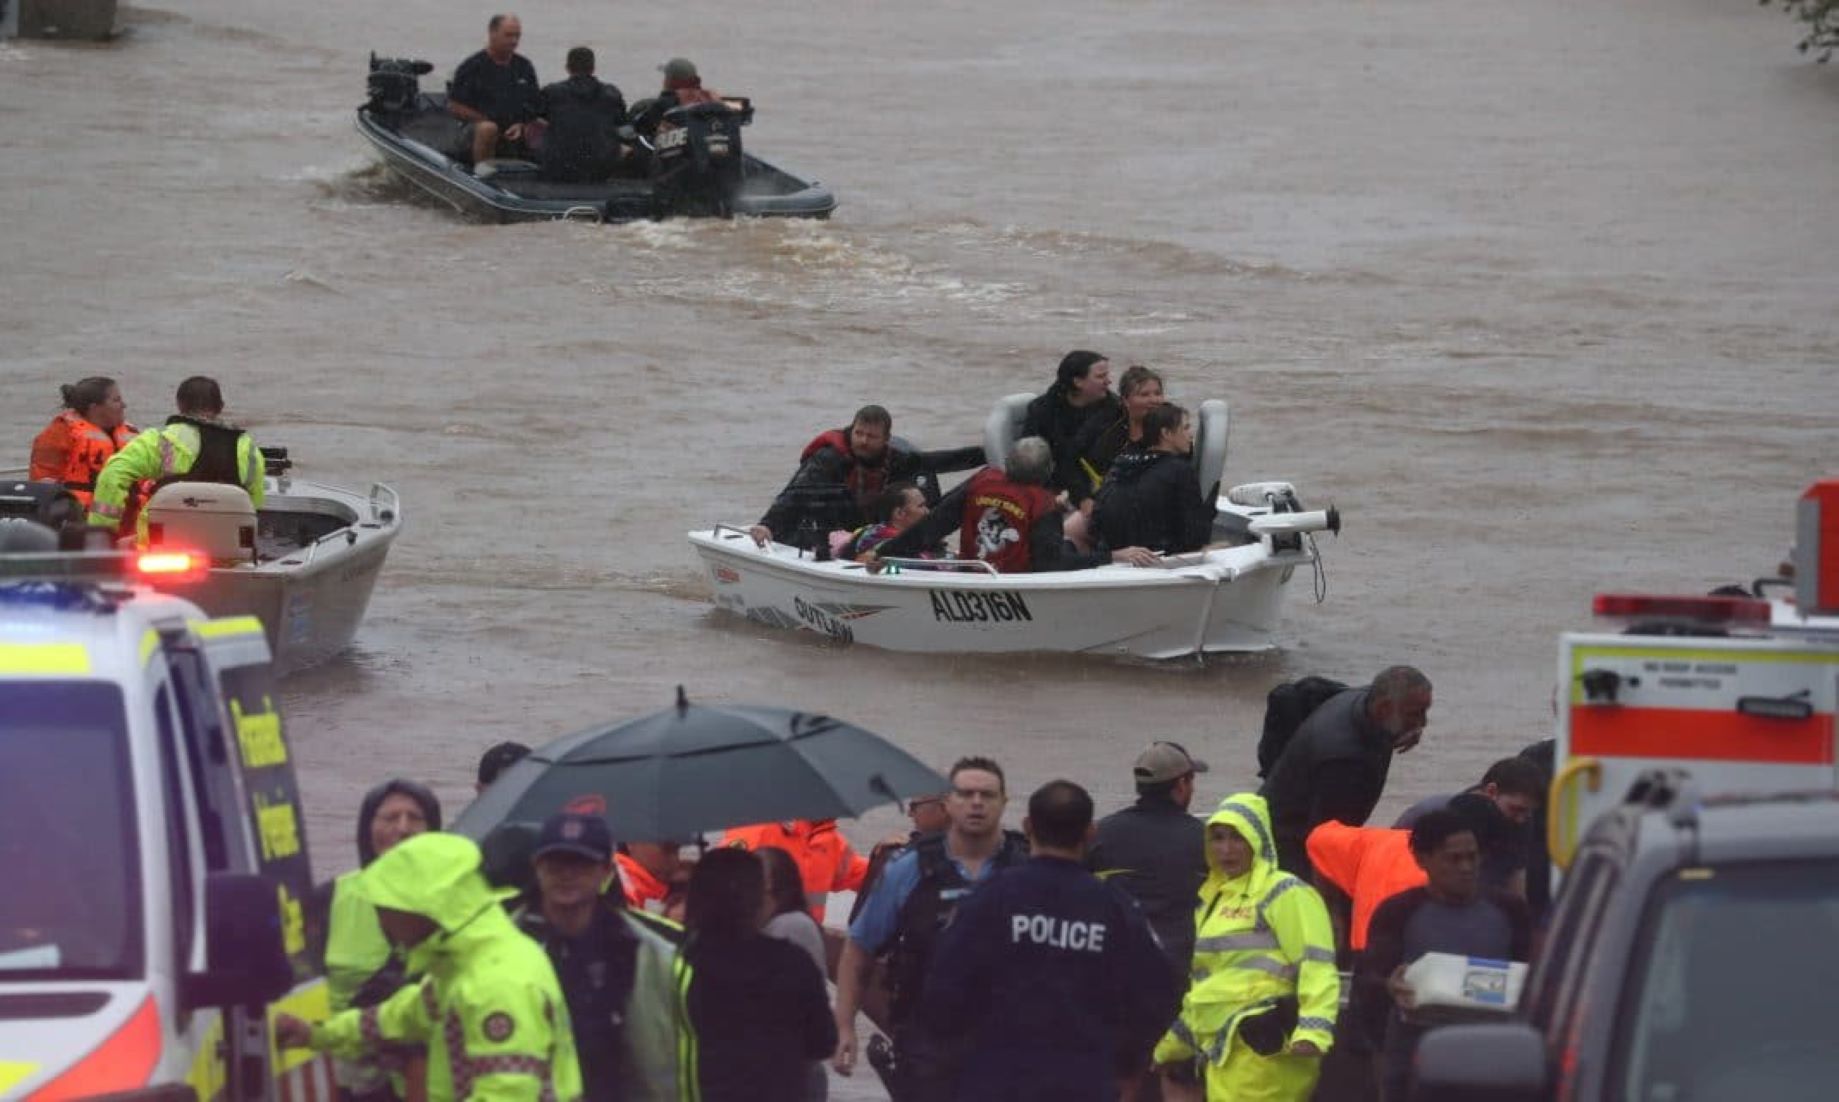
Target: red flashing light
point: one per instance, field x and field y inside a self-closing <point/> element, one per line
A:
<point x="1703" y="610"/>
<point x="170" y="565"/>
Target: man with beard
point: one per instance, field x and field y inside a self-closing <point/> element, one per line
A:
<point x="842" y="472"/>
<point x="1334" y="768"/>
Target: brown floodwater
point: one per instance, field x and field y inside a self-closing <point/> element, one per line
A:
<point x="1540" y="295"/>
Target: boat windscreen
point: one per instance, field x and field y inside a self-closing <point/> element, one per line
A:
<point x="68" y="852"/>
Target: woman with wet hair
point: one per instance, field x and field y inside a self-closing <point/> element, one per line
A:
<point x="756" y="1003"/>
<point x="78" y="442"/>
<point x="362" y="969"/>
<point x="1081" y="394"/>
<point x="1100" y="443"/>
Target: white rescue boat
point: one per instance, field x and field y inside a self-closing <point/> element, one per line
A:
<point x="1227" y="597"/>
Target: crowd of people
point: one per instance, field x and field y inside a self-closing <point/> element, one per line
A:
<point x="578" y="129"/>
<point x="1094" y="478"/>
<point x="1258" y="952"/>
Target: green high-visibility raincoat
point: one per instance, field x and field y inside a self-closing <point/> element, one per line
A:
<point x="171" y="449"/>
<point x="488" y="1007"/>
<point x="1258" y="937"/>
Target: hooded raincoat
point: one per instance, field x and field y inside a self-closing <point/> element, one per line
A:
<point x="488" y="1008"/>
<point x="1258" y="937"/>
<point x="361" y="968"/>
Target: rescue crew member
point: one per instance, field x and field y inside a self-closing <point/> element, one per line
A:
<point x="1080" y="395"/>
<point x="495" y="92"/>
<point x="1100" y="443"/>
<point x="581" y="142"/>
<point x="621" y="970"/>
<point x="362" y="969"/>
<point x="652" y="876"/>
<point x="1153" y="498"/>
<point x="1051" y="974"/>
<point x="757" y="1003"/>
<point x="910" y="905"/>
<point x="489" y="1011"/>
<point x="194" y="445"/>
<point x="1157" y="852"/>
<point x="1334" y="767"/>
<point x="1451" y="913"/>
<point x="1009" y="519"/>
<point x="1261" y="1011"/>
<point x="840" y="474"/>
<point x="826" y="863"/>
<point x="79" y="441"/>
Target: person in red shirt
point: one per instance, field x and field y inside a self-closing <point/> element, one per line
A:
<point x="826" y="863"/>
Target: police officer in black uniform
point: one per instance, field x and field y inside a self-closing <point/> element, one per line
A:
<point x="900" y="923"/>
<point x="1053" y="975"/>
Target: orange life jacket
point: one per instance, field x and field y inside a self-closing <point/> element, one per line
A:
<point x="825" y="862"/>
<point x="999" y="515"/>
<point x="1369" y="864"/>
<point x="73" y="450"/>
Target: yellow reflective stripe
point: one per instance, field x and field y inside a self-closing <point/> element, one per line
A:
<point x="226" y="627"/>
<point x="209" y="1074"/>
<point x="66" y="658"/>
<point x="149" y="642"/>
<point x="13" y="1073"/>
<point x="689" y="1084"/>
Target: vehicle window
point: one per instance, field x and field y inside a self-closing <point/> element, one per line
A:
<point x="1576" y="906"/>
<point x="69" y="855"/>
<point x="178" y="832"/>
<point x="1734" y="986"/>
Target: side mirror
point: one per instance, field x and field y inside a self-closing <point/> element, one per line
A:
<point x="245" y="958"/>
<point x="1496" y="1062"/>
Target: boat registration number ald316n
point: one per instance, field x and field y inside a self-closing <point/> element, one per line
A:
<point x="960" y="607"/>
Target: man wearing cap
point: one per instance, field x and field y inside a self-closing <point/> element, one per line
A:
<point x="682" y="87"/>
<point x="1156" y="851"/>
<point x="620" y="969"/>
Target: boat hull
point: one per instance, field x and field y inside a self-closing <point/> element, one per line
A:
<point x="312" y="598"/>
<point x="1224" y="601"/>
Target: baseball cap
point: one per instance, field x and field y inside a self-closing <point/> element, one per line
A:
<point x="678" y="68"/>
<point x="1161" y="762"/>
<point x="572" y="832"/>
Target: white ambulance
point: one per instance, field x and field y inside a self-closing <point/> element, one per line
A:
<point x="152" y="865"/>
<point x="1739" y="691"/>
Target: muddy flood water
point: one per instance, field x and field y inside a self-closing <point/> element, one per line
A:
<point x="1540" y="296"/>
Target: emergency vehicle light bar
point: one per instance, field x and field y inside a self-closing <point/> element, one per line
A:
<point x="101" y="566"/>
<point x="1703" y="610"/>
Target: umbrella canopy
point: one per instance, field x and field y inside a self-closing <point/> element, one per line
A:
<point x="695" y="768"/>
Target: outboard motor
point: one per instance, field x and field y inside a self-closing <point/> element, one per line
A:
<point x="394" y="85"/>
<point x="696" y="157"/>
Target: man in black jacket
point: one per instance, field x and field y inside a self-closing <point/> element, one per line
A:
<point x="840" y="474"/>
<point x="582" y="142"/>
<point x="1081" y="393"/>
<point x="1156" y="851"/>
<point x="1335" y="766"/>
<point x="1152" y="498"/>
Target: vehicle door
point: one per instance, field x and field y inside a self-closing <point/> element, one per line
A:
<point x="251" y="818"/>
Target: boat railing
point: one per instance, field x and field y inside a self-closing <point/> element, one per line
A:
<point x="948" y="566"/>
<point x="735" y="528"/>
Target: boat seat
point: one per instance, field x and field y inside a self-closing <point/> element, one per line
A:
<point x="211" y="518"/>
<point x="1004" y="427"/>
<point x="1212" y="425"/>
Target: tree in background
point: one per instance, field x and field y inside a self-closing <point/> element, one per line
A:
<point x="1822" y="19"/>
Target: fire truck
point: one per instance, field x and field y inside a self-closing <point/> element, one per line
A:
<point x="1737" y="691"/>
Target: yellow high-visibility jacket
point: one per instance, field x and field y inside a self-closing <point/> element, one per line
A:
<point x="1258" y="937"/>
<point x="158" y="453"/>
<point x="488" y="1008"/>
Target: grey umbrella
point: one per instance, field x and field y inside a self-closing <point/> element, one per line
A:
<point x="694" y="768"/>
